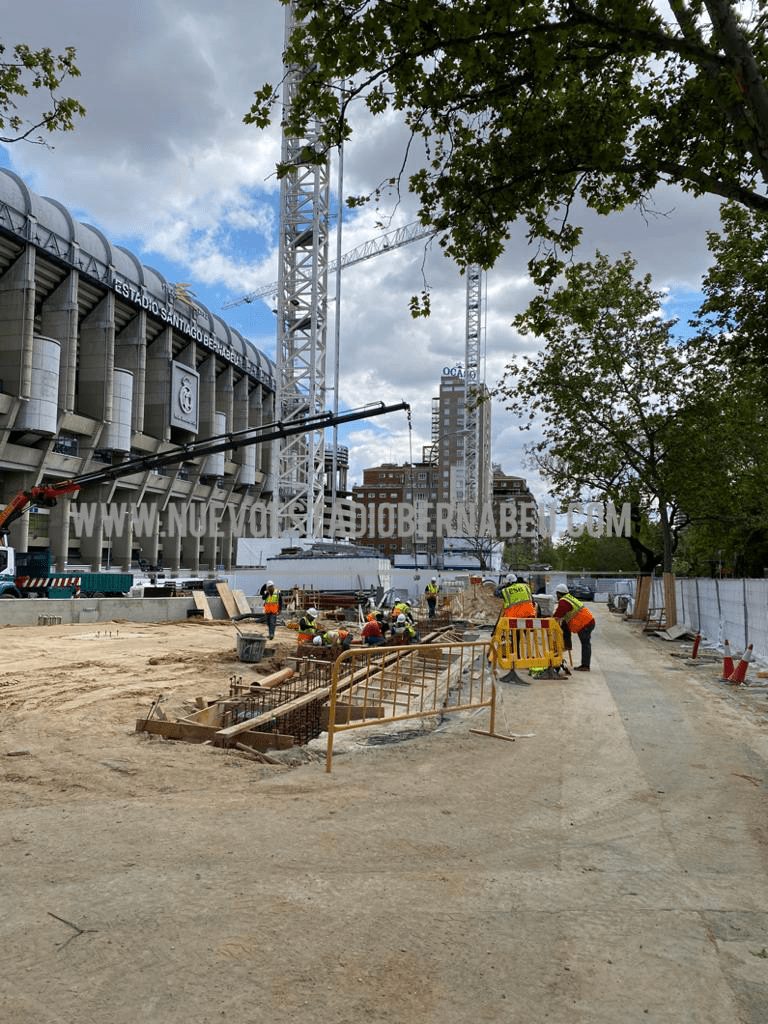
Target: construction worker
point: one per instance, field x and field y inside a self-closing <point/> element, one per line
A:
<point x="403" y="631"/>
<point x="308" y="627"/>
<point x="518" y="601"/>
<point x="372" y="633"/>
<point x="402" y="608"/>
<point x="273" y="605"/>
<point x="431" y="590"/>
<point x="578" y="619"/>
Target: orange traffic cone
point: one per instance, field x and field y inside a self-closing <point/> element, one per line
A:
<point x="728" y="665"/>
<point x="741" y="669"/>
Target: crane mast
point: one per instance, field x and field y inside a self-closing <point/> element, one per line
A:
<point x="302" y="305"/>
<point x="472" y="440"/>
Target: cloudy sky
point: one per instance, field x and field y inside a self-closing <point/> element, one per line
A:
<point x="163" y="165"/>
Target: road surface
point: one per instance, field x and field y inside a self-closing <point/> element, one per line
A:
<point x="612" y="867"/>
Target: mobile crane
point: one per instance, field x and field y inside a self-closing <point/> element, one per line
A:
<point x="12" y="584"/>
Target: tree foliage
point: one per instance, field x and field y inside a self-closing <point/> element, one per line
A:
<point x="24" y="70"/>
<point x="619" y="405"/>
<point x="732" y="322"/>
<point x="523" y="108"/>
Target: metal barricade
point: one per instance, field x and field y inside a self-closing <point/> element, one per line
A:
<point x="379" y="685"/>
<point x="528" y="643"/>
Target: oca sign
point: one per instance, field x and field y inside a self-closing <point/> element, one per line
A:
<point x="458" y="371"/>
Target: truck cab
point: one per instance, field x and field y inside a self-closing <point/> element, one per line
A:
<point x="8" y="573"/>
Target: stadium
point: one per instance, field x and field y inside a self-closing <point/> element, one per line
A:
<point x="103" y="360"/>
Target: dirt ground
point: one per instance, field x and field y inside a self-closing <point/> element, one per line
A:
<point x="611" y="866"/>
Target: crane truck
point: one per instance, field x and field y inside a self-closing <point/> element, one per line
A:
<point x="24" y="575"/>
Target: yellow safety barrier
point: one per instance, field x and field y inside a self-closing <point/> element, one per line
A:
<point x="378" y="685"/>
<point x="528" y="643"/>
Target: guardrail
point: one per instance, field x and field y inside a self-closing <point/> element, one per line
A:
<point x="382" y="685"/>
<point x="528" y="643"/>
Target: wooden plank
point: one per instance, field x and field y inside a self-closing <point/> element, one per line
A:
<point x="227" y="599"/>
<point x="201" y="603"/>
<point x="207" y="734"/>
<point x="241" y="601"/>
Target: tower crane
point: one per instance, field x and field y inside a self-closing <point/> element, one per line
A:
<point x="302" y="302"/>
<point x="373" y="247"/>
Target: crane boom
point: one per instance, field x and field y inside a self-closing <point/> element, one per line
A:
<point x="47" y="494"/>
<point x="373" y="247"/>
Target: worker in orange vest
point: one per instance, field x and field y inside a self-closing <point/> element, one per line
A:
<point x="518" y="601"/>
<point x="273" y="605"/>
<point x="578" y="619"/>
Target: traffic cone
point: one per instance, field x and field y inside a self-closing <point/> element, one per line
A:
<point x="728" y="665"/>
<point x="741" y="669"/>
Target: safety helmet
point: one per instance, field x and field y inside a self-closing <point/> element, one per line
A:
<point x="317" y="641"/>
<point x="401" y="618"/>
<point x="311" y="611"/>
<point x="434" y="579"/>
<point x="270" y="583"/>
<point x="561" y="589"/>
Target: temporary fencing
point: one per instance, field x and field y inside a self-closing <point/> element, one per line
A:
<point x="378" y="685"/>
<point x="719" y="609"/>
<point x="528" y="643"/>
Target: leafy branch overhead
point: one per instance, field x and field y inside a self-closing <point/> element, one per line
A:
<point x="21" y="72"/>
<point x="523" y="108"/>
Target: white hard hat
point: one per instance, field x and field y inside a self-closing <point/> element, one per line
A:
<point x="311" y="611"/>
<point x="317" y="641"/>
<point x="561" y="588"/>
<point x="434" y="579"/>
<point x="270" y="583"/>
<point x="401" y="618"/>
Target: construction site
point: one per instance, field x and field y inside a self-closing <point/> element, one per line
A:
<point x="597" y="853"/>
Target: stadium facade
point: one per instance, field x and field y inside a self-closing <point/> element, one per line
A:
<point x="101" y="360"/>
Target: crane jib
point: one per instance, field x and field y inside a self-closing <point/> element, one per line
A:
<point x="46" y="494"/>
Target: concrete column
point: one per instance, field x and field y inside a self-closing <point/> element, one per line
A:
<point x="171" y="545"/>
<point x="58" y="533"/>
<point x="131" y="354"/>
<point x="59" y="317"/>
<point x="97" y="360"/>
<point x="17" y="324"/>
<point x="158" y="386"/>
<point x="190" y="544"/>
<point x="92" y="536"/>
<point x="207" y="424"/>
<point x="121" y="544"/>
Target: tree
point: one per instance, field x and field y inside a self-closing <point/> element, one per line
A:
<point x="617" y="401"/>
<point x="523" y="108"/>
<point x="25" y="70"/>
<point x="733" y="319"/>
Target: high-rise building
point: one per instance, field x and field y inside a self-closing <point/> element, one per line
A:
<point x="450" y="440"/>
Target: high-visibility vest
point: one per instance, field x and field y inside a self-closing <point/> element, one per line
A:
<point x="308" y="630"/>
<point x="579" y="616"/>
<point x="518" y="603"/>
<point x="432" y="588"/>
<point x="272" y="602"/>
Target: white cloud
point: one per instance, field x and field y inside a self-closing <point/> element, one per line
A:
<point x="164" y="165"/>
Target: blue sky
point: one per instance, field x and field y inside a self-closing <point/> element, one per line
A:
<point x="163" y="165"/>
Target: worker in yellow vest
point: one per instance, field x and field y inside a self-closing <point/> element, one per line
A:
<point x="578" y="619"/>
<point x="273" y="605"/>
<point x="518" y="600"/>
<point x="431" y="590"/>
<point x="308" y="627"/>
